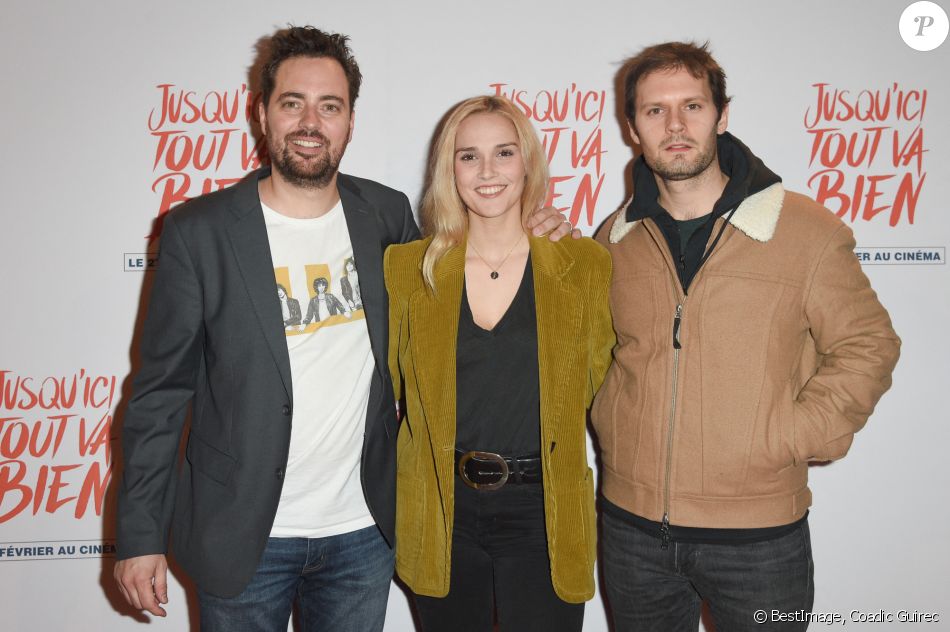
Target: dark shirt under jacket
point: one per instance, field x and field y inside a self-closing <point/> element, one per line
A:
<point x="498" y="398"/>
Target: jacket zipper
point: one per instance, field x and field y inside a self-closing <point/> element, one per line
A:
<point x="665" y="535"/>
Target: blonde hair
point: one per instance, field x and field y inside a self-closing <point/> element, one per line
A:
<point x="443" y="213"/>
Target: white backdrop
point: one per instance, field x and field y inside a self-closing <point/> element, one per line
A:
<point x="89" y="154"/>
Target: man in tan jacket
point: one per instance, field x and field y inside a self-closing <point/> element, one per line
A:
<point x="749" y="343"/>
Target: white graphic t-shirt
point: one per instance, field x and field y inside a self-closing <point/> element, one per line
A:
<point x="331" y="364"/>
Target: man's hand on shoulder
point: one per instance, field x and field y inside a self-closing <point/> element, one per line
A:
<point x="551" y="221"/>
<point x="143" y="582"/>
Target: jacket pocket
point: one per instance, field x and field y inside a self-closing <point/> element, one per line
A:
<point x="777" y="444"/>
<point x="210" y="461"/>
<point x="768" y="455"/>
<point x="788" y="432"/>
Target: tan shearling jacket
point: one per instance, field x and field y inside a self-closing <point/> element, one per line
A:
<point x="717" y="401"/>
<point x="575" y="336"/>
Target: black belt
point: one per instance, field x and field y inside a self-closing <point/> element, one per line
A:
<point x="487" y="470"/>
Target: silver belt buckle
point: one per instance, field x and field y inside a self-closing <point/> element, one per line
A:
<point x="485" y="456"/>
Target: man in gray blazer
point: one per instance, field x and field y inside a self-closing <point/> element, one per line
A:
<point x="287" y="489"/>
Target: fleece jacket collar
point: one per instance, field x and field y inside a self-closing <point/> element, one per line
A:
<point x="752" y="186"/>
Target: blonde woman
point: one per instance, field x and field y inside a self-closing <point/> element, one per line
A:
<point x="498" y="342"/>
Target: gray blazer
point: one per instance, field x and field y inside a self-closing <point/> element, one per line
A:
<point x="214" y="340"/>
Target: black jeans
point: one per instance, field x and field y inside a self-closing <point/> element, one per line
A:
<point x="652" y="589"/>
<point x="499" y="561"/>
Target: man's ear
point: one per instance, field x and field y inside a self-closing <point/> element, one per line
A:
<point x="633" y="132"/>
<point x="723" y="120"/>
<point x="262" y="116"/>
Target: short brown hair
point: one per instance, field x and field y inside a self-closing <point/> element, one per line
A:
<point x="696" y="59"/>
<point x="309" y="41"/>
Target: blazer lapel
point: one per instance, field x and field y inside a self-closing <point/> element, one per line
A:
<point x="248" y="236"/>
<point x="433" y="321"/>
<point x="559" y="305"/>
<point x="368" y="257"/>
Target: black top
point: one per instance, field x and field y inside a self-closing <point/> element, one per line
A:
<point x="686" y="228"/>
<point x="498" y="401"/>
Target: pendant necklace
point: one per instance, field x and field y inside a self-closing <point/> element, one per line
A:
<point x="494" y="271"/>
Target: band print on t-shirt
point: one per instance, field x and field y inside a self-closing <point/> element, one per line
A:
<point x="332" y="300"/>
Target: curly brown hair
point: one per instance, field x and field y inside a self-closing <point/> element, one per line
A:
<point x="309" y="41"/>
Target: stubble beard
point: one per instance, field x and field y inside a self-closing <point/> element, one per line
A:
<point x="306" y="173"/>
<point x="679" y="169"/>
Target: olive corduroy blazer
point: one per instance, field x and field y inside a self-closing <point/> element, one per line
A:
<point x="575" y="338"/>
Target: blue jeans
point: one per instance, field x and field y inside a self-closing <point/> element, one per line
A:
<point x="652" y="589"/>
<point x="340" y="583"/>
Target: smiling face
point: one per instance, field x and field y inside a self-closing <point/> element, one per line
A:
<point x="489" y="166"/>
<point x="308" y="120"/>
<point x="676" y="124"/>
